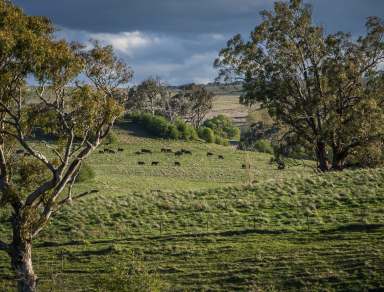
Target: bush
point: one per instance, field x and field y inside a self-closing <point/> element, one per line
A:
<point x="187" y="132"/>
<point x="86" y="173"/>
<point x="173" y="132"/>
<point x="221" y="141"/>
<point x="111" y="138"/>
<point x="218" y="130"/>
<point x="161" y="127"/>
<point x="207" y="134"/>
<point x="223" y="127"/>
<point x="263" y="146"/>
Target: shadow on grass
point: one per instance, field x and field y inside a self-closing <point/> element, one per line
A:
<point x="355" y="227"/>
<point x="166" y="237"/>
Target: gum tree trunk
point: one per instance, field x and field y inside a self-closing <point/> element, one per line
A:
<point x="21" y="258"/>
<point x="338" y="159"/>
<point x="321" y="155"/>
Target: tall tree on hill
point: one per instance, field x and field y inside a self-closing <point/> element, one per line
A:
<point x="326" y="89"/>
<point x="200" y="102"/>
<point x="36" y="176"/>
<point x="147" y="96"/>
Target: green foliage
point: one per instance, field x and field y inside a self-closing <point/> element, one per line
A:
<point x="325" y="89"/>
<point x="218" y="130"/>
<point x="206" y="134"/>
<point x="221" y="141"/>
<point x="86" y="173"/>
<point x="173" y="132"/>
<point x="263" y="146"/>
<point x="187" y="131"/>
<point x="223" y="127"/>
<point x="111" y="138"/>
<point x="159" y="126"/>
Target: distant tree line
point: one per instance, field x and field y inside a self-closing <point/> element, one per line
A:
<point x="178" y="114"/>
<point x="191" y="102"/>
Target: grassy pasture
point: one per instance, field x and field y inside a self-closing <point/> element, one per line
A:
<point x="201" y="226"/>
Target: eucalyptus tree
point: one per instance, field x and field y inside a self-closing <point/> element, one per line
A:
<point x="325" y="89"/>
<point x="147" y="96"/>
<point x="37" y="176"/>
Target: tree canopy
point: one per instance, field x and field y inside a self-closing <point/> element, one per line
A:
<point x="37" y="174"/>
<point x="326" y="89"/>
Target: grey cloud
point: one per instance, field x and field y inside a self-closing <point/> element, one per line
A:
<point x="179" y="39"/>
<point x="175" y="59"/>
<point x="190" y="16"/>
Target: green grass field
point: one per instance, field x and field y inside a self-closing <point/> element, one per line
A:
<point x="202" y="225"/>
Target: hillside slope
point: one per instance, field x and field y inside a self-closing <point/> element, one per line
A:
<point x="291" y="230"/>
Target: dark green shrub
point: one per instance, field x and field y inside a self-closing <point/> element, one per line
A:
<point x="223" y="126"/>
<point x="161" y="127"/>
<point x="263" y="146"/>
<point x="111" y="138"/>
<point x="187" y="132"/>
<point x="173" y="132"/>
<point x="222" y="130"/>
<point x="207" y="134"/>
<point x="221" y="141"/>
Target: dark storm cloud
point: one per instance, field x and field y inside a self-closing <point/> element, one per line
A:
<point x="189" y="16"/>
<point x="179" y="39"/>
<point x="193" y="16"/>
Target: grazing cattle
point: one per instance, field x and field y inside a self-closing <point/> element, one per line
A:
<point x="120" y="149"/>
<point x="177" y="163"/>
<point x="155" y="163"/>
<point x="220" y="156"/>
<point x="166" y="150"/>
<point x="137" y="152"/>
<point x="178" y="153"/>
<point x="245" y="166"/>
<point x="112" y="151"/>
<point x="209" y="153"/>
<point x="146" y="151"/>
<point x="101" y="151"/>
<point x="188" y="152"/>
<point x="141" y="163"/>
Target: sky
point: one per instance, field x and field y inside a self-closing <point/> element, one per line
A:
<point x="178" y="40"/>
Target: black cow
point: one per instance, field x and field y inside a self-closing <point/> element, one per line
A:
<point x="178" y="153"/>
<point x="120" y="149"/>
<point x="177" y="163"/>
<point x="209" y="154"/>
<point x="146" y="151"/>
<point x="155" y="163"/>
<point x="220" y="156"/>
<point x="141" y="163"/>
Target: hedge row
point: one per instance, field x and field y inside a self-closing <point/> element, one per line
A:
<point x="161" y="127"/>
